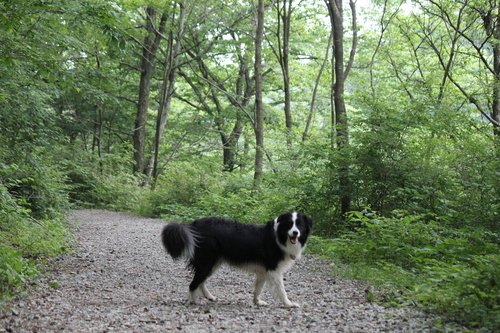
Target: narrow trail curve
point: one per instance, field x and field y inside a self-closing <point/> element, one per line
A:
<point x="121" y="280"/>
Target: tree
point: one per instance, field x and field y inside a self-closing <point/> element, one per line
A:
<point x="149" y="48"/>
<point x="284" y="11"/>
<point x="222" y="91"/>
<point x="171" y="65"/>
<point x="339" y="112"/>
<point x="478" y="24"/>
<point x="259" y="107"/>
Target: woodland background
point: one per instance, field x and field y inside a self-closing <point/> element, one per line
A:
<point x="380" y="119"/>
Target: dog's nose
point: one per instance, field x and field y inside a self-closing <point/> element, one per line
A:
<point x="295" y="232"/>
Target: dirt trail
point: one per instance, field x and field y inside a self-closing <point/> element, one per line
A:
<point x="121" y="280"/>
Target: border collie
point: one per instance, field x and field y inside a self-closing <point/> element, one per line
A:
<point x="267" y="250"/>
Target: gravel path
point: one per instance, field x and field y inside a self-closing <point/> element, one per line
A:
<point x="121" y="280"/>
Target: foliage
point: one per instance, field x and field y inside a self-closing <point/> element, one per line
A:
<point x="14" y="272"/>
<point x="449" y="271"/>
<point x="467" y="291"/>
<point x="23" y="239"/>
<point x="410" y="159"/>
<point x="231" y="196"/>
<point x="107" y="186"/>
<point x="37" y="186"/>
<point x="116" y="192"/>
<point x="423" y="143"/>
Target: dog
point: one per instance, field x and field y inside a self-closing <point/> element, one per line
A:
<point x="267" y="250"/>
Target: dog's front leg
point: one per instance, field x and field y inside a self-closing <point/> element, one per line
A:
<point x="206" y="293"/>
<point x="278" y="289"/>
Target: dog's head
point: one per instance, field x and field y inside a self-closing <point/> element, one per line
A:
<point x="292" y="229"/>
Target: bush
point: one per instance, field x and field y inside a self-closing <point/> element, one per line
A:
<point x="39" y="187"/>
<point x="186" y="194"/>
<point x="180" y="187"/>
<point x="453" y="272"/>
<point x="100" y="182"/>
<point x="23" y="239"/>
<point x="14" y="272"/>
<point x="466" y="291"/>
<point x="244" y="205"/>
<point x="118" y="192"/>
<point x="411" y="241"/>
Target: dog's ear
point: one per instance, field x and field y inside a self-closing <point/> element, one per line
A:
<point x="308" y="220"/>
<point x="275" y="223"/>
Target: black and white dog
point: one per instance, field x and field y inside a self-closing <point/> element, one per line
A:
<point x="267" y="250"/>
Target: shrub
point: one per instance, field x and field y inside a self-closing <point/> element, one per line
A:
<point x="38" y="187"/>
<point x="410" y="241"/>
<point x="467" y="291"/>
<point x="118" y="192"/>
<point x="180" y="187"/>
<point x="14" y="271"/>
<point x="187" y="193"/>
<point x="244" y="205"/>
<point x="100" y="182"/>
<point x="453" y="272"/>
<point x="24" y="238"/>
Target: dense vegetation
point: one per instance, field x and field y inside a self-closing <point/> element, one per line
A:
<point x="387" y="135"/>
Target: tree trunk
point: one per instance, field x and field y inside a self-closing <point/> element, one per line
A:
<point x="229" y="146"/>
<point x="315" y="90"/>
<point x="259" y="110"/>
<point x="339" y="118"/>
<point x="167" y="89"/>
<point x="244" y="91"/>
<point x="495" y="112"/>
<point x="149" y="48"/>
<point x="99" y="130"/>
<point x="240" y="100"/>
<point x="284" y="21"/>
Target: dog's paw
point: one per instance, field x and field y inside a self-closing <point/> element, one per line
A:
<point x="208" y="295"/>
<point x="260" y="303"/>
<point x="292" y="305"/>
<point x="192" y="299"/>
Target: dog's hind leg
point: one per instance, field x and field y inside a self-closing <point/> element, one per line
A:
<point x="259" y="284"/>
<point x="203" y="286"/>
<point x="197" y="286"/>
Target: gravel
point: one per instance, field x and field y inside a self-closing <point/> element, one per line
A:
<point x="121" y="280"/>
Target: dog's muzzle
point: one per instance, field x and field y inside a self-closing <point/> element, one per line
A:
<point x="294" y="237"/>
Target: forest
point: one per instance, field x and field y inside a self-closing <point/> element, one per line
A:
<point x="378" y="118"/>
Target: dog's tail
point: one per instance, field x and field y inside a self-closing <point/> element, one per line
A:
<point x="179" y="240"/>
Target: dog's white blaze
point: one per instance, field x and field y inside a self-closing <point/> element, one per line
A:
<point x="294" y="228"/>
<point x="292" y="250"/>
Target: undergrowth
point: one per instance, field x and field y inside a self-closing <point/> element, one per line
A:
<point x="418" y="260"/>
<point x="24" y="242"/>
